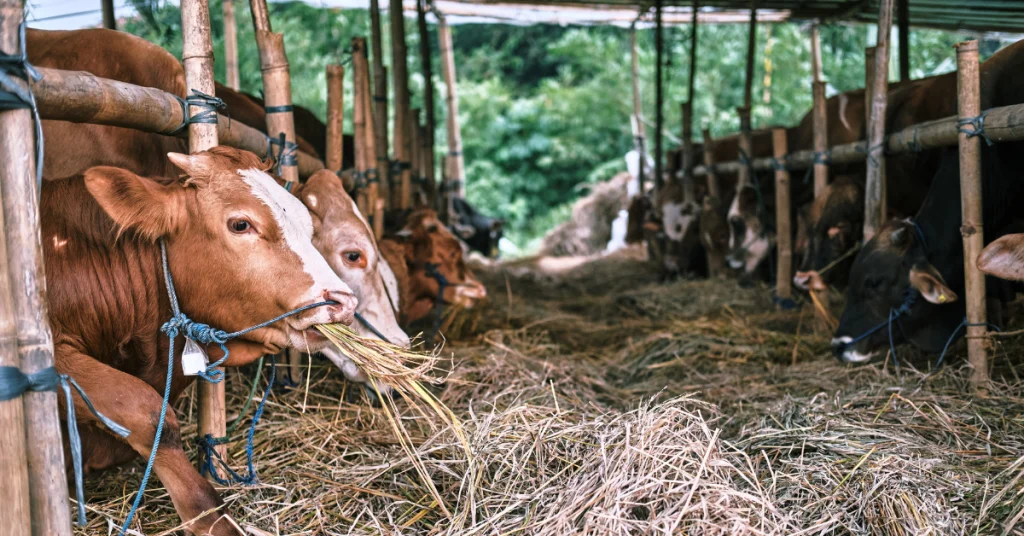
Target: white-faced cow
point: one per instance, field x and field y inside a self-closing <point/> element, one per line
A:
<point x="240" y="252"/>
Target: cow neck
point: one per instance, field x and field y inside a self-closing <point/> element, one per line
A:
<point x="940" y="229"/>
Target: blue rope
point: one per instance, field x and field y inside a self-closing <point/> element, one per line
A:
<point x="909" y="299"/>
<point x="14" y="382"/>
<point x="952" y="337"/>
<point x="208" y="444"/>
<point x="180" y="324"/>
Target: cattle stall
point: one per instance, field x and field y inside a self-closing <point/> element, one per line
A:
<point x="582" y="393"/>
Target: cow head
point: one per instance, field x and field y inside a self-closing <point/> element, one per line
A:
<point x="344" y="238"/>
<point x="836" y="225"/>
<point x="433" y="253"/>
<point x="240" y="246"/>
<point x="750" y="242"/>
<point x="679" y="221"/>
<point x="892" y="272"/>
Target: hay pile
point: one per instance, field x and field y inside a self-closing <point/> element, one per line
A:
<point x="598" y="401"/>
<point x="590" y="227"/>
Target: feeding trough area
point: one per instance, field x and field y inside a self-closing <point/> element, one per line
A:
<point x="223" y="316"/>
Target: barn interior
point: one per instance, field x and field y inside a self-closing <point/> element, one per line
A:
<point x="598" y="396"/>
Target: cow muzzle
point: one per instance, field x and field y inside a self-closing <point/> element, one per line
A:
<point x="810" y="280"/>
<point x="339" y="312"/>
<point x="468" y="293"/>
<point x="847" y="353"/>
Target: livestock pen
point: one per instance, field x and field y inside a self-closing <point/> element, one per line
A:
<point x="587" y="394"/>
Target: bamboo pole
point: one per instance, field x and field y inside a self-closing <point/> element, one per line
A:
<point x="415" y="157"/>
<point x="874" y="188"/>
<point x="360" y="112"/>
<point x="968" y="106"/>
<point x="197" y="57"/>
<point x="455" y="167"/>
<point x="820" y="126"/>
<point x="751" y="45"/>
<point x="400" y="83"/>
<point x="380" y="105"/>
<point x="693" y="52"/>
<point x="745" y="145"/>
<point x="659" y="115"/>
<point x="869" y="84"/>
<point x="904" y="8"/>
<point x="369" y="148"/>
<point x="47" y="481"/>
<point x="637" y="122"/>
<point x="277" y="94"/>
<point x="714" y="188"/>
<point x="16" y="148"/>
<point x="80" y="97"/>
<point x="109" y="19"/>
<point x="429" y="161"/>
<point x="784" y="233"/>
<point x="689" y="193"/>
<point x="335" y="116"/>
<point x="232" y="78"/>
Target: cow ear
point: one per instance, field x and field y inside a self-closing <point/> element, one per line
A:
<point x="898" y="237"/>
<point x="927" y="280"/>
<point x="463" y="230"/>
<point x="133" y="202"/>
<point x="198" y="167"/>
<point x="1002" y="258"/>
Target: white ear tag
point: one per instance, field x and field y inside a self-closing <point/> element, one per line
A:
<point x="193" y="359"/>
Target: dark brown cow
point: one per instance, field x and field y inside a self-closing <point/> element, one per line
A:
<point x="423" y="242"/>
<point x="107" y="299"/>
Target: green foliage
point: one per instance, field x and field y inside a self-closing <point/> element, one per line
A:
<point x="546" y="108"/>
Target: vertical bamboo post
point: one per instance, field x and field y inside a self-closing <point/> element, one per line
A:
<point x="969" y="106"/>
<point x="783" y="225"/>
<point x="109" y="19"/>
<point x="428" y="104"/>
<point x="869" y="85"/>
<point x="455" y="167"/>
<point x="745" y="144"/>
<point x="414" y="157"/>
<point x="368" y="145"/>
<point x="335" y="116"/>
<point x="14" y="493"/>
<point x="874" y="189"/>
<point x="820" y="127"/>
<point x="904" y="9"/>
<point x="693" y="50"/>
<point x="19" y="246"/>
<point x="687" y="164"/>
<point x="714" y="188"/>
<point x="380" y="105"/>
<point x="359" y="86"/>
<point x="197" y="57"/>
<point x="232" y="78"/>
<point x="277" y="89"/>
<point x="659" y="115"/>
<point x="400" y="83"/>
<point x="637" y="122"/>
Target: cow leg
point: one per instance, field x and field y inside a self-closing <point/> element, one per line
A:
<point x="135" y="405"/>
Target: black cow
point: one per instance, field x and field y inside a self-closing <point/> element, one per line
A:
<point x="481" y="233"/>
<point x="906" y="280"/>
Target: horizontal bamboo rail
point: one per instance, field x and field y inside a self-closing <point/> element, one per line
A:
<point x="80" y="97"/>
<point x="1005" y="123"/>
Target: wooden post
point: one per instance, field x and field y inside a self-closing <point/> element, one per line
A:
<point x="659" y="116"/>
<point x="904" y="9"/>
<point x="47" y="481"/>
<point x="714" y="189"/>
<point x="109" y="20"/>
<point x="784" y="233"/>
<point x="693" y="51"/>
<point x="380" y="105"/>
<point x="455" y="167"/>
<point x="751" y="46"/>
<point x="874" y="188"/>
<point x="359" y="86"/>
<point x="820" y="126"/>
<point x="400" y="83"/>
<point x="335" y="116"/>
<point x="197" y="57"/>
<point x="968" y="106"/>
<point x="869" y="85"/>
<point x="368" y="145"/>
<point x="427" y="141"/>
<point x="637" y="121"/>
<point x="414" y="157"/>
<point x="233" y="78"/>
<point x="689" y="193"/>
<point x="745" y="145"/>
<point x="277" y="92"/>
<point x="25" y="339"/>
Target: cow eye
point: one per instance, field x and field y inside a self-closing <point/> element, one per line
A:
<point x="352" y="256"/>
<point x="239" y="225"/>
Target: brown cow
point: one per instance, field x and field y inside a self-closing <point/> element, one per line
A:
<point x="248" y="110"/>
<point x="423" y="243"/>
<point x="240" y="251"/>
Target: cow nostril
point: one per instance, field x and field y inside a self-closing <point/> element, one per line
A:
<point x="839" y="347"/>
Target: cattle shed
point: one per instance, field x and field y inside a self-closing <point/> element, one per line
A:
<point x="684" y="382"/>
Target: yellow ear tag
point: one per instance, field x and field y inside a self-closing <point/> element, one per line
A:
<point x="942" y="298"/>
